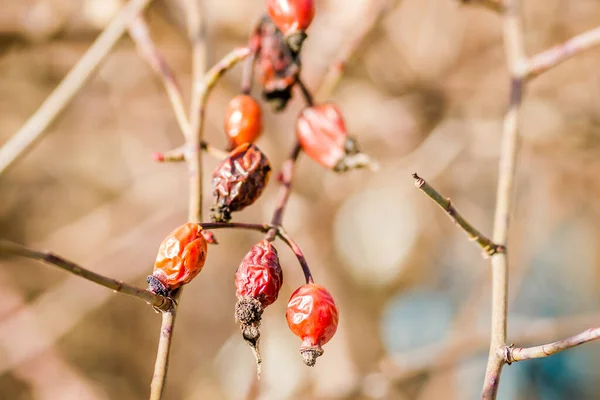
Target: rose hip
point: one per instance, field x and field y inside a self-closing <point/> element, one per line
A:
<point x="239" y="180"/>
<point x="312" y="316"/>
<point x="322" y="133"/>
<point x="181" y="256"/>
<point x="243" y="120"/>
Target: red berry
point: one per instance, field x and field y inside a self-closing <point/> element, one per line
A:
<point x="291" y="16"/>
<point x="322" y="133"/>
<point x="257" y="282"/>
<point x="243" y="120"/>
<point x="312" y="316"/>
<point x="239" y="180"/>
<point x="259" y="276"/>
<point x="180" y="258"/>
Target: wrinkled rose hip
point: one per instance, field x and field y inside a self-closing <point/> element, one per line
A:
<point x="312" y="316"/>
<point x="243" y="120"/>
<point x="180" y="258"/>
<point x="239" y="180"/>
<point x="322" y="133"/>
<point x="257" y="282"/>
<point x="278" y="66"/>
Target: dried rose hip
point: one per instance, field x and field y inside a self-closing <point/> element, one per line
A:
<point x="257" y="283"/>
<point x="180" y="258"/>
<point x="239" y="180"/>
<point x="278" y="66"/>
<point x="243" y="120"/>
<point x="323" y="136"/>
<point x="292" y="17"/>
<point x="312" y="316"/>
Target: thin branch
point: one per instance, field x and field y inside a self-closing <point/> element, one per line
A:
<point x="175" y="155"/>
<point x="161" y="365"/>
<point x="202" y="88"/>
<point x="516" y="59"/>
<point x="299" y="255"/>
<point x="157" y="301"/>
<point x="489" y="248"/>
<point x="36" y="125"/>
<point x="374" y="10"/>
<point x="550" y="58"/>
<point x="236" y="225"/>
<point x="140" y="34"/>
<point x="512" y="354"/>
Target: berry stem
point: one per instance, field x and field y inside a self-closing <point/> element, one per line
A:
<point x="233" y="225"/>
<point x="299" y="255"/>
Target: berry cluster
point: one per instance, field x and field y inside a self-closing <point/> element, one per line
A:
<point x="240" y="179"/>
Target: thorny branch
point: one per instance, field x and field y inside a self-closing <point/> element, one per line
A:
<point x="489" y="248"/>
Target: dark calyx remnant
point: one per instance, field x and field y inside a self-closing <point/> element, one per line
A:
<point x="156" y="286"/>
<point x="310" y="355"/>
<point x="248" y="313"/>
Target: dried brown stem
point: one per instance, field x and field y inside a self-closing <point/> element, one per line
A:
<point x="550" y="58"/>
<point x="489" y="248"/>
<point x="178" y="154"/>
<point x="157" y="301"/>
<point x="516" y="60"/>
<point x="236" y="225"/>
<point x="513" y="354"/>
<point x="33" y="130"/>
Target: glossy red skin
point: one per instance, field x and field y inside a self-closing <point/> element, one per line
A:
<point x="243" y="120"/>
<point x="312" y="315"/>
<point x="181" y="256"/>
<point x="259" y="275"/>
<point x="291" y="15"/>
<point x="322" y="133"/>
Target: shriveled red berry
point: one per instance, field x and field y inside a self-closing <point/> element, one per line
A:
<point x="239" y="180"/>
<point x="257" y="282"/>
<point x="180" y="258"/>
<point x="243" y="120"/>
<point x="322" y="133"/>
<point x="278" y="66"/>
<point x="312" y="316"/>
<point x="291" y="16"/>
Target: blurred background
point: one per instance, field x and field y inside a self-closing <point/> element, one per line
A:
<point x="425" y="92"/>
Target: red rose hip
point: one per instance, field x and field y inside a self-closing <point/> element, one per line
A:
<point x="312" y="316"/>
<point x="257" y="283"/>
<point x="181" y="256"/>
<point x="243" y="120"/>
<point x="292" y="17"/>
<point x="322" y="133"/>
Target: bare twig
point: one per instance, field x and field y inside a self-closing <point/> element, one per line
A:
<point x="140" y="34"/>
<point x="236" y="225"/>
<point x="514" y="354"/>
<point x="202" y="88"/>
<point x="516" y="60"/>
<point x="36" y="125"/>
<point x="160" y="302"/>
<point x="550" y="58"/>
<point x="489" y="248"/>
<point x="374" y="9"/>
<point x="410" y="365"/>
